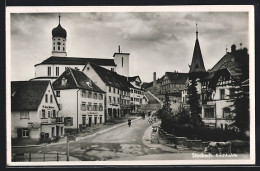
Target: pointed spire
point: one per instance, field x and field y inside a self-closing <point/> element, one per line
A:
<point x="59" y="18"/>
<point x="197" y="64"/>
<point x="197" y="31"/>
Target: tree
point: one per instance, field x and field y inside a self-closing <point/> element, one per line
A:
<point x="165" y="114"/>
<point x="182" y="116"/>
<point x="241" y="107"/>
<point x="193" y="101"/>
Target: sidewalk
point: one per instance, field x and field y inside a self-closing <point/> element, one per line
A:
<point x="153" y="141"/>
<point x="91" y="132"/>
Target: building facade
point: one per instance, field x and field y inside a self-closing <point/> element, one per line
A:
<point x="136" y="94"/>
<point x="81" y="101"/>
<point x="117" y="88"/>
<point x="216" y="87"/>
<point x="35" y="111"/>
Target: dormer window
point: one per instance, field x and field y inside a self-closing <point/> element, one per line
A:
<point x="63" y="81"/>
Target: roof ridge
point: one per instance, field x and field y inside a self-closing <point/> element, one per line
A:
<point x="73" y="76"/>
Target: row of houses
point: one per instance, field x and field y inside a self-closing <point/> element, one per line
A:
<point x="216" y="86"/>
<point x="70" y="94"/>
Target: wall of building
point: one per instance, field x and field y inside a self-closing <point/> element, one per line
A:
<point x="122" y="68"/>
<point x="17" y="122"/>
<point x="42" y="70"/>
<point x="55" y="47"/>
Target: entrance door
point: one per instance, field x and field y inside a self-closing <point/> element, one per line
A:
<point x="57" y="131"/>
<point x="52" y="131"/>
<point x="90" y="121"/>
<point x="95" y="121"/>
<point x="83" y="121"/>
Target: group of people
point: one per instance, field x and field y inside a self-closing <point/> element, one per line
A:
<point x="150" y="120"/>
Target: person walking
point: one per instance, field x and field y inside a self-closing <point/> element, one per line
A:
<point x="129" y="122"/>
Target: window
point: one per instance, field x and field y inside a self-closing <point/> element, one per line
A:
<point x="114" y="99"/>
<point x="49" y="71"/>
<point x="24" y="115"/>
<point x="51" y="98"/>
<point x="83" y="106"/>
<point x="209" y="113"/>
<point x="112" y="69"/>
<point x="63" y="48"/>
<point x="63" y="81"/>
<point x="76" y="68"/>
<point x="54" y="113"/>
<point x="137" y="83"/>
<point x="68" y="121"/>
<point x="122" y="62"/>
<point x="87" y="68"/>
<point x="118" y="91"/>
<point x="46" y="98"/>
<point x="109" y="99"/>
<point x="131" y="98"/>
<point x="100" y="96"/>
<point x="53" y="47"/>
<point x="49" y="113"/>
<point x="131" y="90"/>
<point x="58" y="47"/>
<point x="89" y="107"/>
<point x="226" y="113"/>
<point x="95" y="107"/>
<point x="58" y="93"/>
<point x="114" y="90"/>
<point x="89" y="94"/>
<point x="109" y="89"/>
<point x="222" y="94"/>
<point x="25" y="133"/>
<point x="83" y="93"/>
<point x="100" y="107"/>
<point x="95" y="96"/>
<point x="57" y="71"/>
<point x="43" y="113"/>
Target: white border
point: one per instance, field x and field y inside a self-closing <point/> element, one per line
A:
<point x="71" y="9"/>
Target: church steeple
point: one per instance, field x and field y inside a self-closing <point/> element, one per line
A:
<point x="197" y="64"/>
<point x="59" y="35"/>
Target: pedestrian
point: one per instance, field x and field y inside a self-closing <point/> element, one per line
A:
<point x="129" y="122"/>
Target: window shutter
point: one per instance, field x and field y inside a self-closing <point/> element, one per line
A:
<point x="19" y="132"/>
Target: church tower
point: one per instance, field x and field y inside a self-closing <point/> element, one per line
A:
<point x="59" y="36"/>
<point x="197" y="68"/>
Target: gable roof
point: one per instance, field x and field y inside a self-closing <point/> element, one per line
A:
<point x="27" y="95"/>
<point x="197" y="64"/>
<point x="177" y="78"/>
<point x="75" y="80"/>
<point x="77" y="61"/>
<point x="111" y="78"/>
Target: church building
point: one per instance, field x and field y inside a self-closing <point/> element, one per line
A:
<point x="58" y="62"/>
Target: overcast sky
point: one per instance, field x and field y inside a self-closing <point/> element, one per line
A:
<point x="157" y="42"/>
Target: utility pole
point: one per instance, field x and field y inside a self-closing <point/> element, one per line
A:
<point x="68" y="150"/>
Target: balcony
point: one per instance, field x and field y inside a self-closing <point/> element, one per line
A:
<point x="48" y="120"/>
<point x="60" y="120"/>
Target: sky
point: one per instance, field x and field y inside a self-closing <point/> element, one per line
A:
<point x="157" y="41"/>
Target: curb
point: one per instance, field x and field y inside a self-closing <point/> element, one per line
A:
<point x="79" y="138"/>
<point x="161" y="146"/>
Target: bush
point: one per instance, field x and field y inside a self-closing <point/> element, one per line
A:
<point x="207" y="134"/>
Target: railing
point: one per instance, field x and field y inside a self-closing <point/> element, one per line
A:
<point x="60" y="120"/>
<point x="52" y="120"/>
<point x="34" y="157"/>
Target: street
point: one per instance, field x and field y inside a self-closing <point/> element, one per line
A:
<point x="119" y="143"/>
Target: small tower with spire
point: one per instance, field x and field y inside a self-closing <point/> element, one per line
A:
<point x="59" y="36"/>
<point x="197" y="68"/>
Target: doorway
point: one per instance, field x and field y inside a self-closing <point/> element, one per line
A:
<point x="95" y="120"/>
<point x="90" y="121"/>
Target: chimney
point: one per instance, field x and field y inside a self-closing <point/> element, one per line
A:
<point x="154" y="79"/>
<point x="233" y="48"/>
<point x="119" y="49"/>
